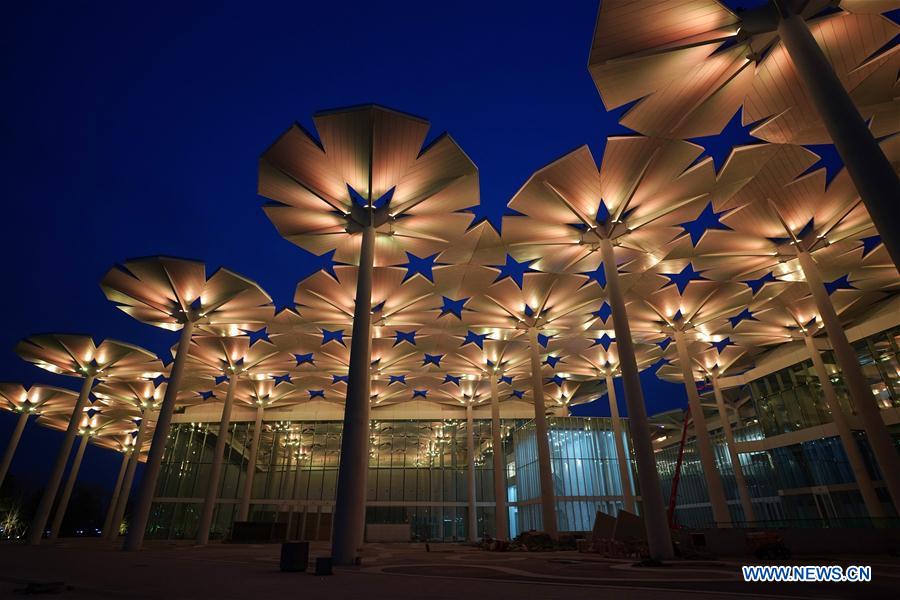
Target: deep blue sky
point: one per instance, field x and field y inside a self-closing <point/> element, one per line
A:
<point x="134" y="129"/>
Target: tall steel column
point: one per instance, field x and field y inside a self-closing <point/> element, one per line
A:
<point x="114" y="499"/>
<point x="542" y="439"/>
<point x="350" y="504"/>
<point x="701" y="434"/>
<point x="871" y="171"/>
<point x="739" y="479"/>
<point x="621" y="456"/>
<point x="43" y="509"/>
<point x="501" y="518"/>
<point x="848" y="441"/>
<point x="122" y="502"/>
<point x="472" y="533"/>
<point x="215" y="470"/>
<point x="244" y="510"/>
<point x="659" y="538"/>
<point x="136" y="529"/>
<point x="12" y="445"/>
<point x="63" y="503"/>
<point x="879" y="438"/>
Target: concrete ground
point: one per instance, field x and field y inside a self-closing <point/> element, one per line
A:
<point x="90" y="568"/>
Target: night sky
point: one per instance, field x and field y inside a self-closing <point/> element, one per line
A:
<point x="134" y="129"/>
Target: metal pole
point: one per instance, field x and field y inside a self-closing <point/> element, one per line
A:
<point x="739" y="479"/>
<point x="67" y="490"/>
<point x="136" y="530"/>
<point x="848" y="441"/>
<point x="350" y="504"/>
<point x="43" y="509"/>
<point x="542" y="439"/>
<point x="114" y="499"/>
<point x="12" y="445"/>
<point x="701" y="434"/>
<point x="868" y="167"/>
<point x="215" y="470"/>
<point x="294" y="495"/>
<point x="659" y="538"/>
<point x="501" y="518"/>
<point x="879" y="438"/>
<point x="122" y="502"/>
<point x="244" y="510"/>
<point x="470" y="474"/>
<point x="621" y="456"/>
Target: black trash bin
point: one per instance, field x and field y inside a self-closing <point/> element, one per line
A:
<point x="294" y="556"/>
<point x="323" y="565"/>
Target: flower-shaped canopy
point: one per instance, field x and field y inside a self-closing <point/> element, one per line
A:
<point x="167" y="292"/>
<point x="81" y="356"/>
<point x="692" y="64"/>
<point x="368" y="167"/>
<point x="37" y="399"/>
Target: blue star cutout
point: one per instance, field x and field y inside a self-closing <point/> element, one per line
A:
<point x="420" y="394"/>
<point x="453" y="307"/>
<point x="744" y="315"/>
<point x="397" y="379"/>
<point x="841" y="283"/>
<point x="286" y="378"/>
<point x="221" y="379"/>
<point x="206" y="395"/>
<point x="259" y="334"/>
<point x="514" y="270"/>
<point x="543" y="340"/>
<point x="518" y="394"/>
<point x="529" y="312"/>
<point x="557" y="379"/>
<point x="420" y="266"/>
<point x="685" y="277"/>
<point x="719" y="146"/>
<point x="304" y="359"/>
<point x="870" y="243"/>
<point x="757" y="284"/>
<point x="316" y="394"/>
<point x="664" y="343"/>
<point x="340" y="379"/>
<point x="708" y="219"/>
<point x="475" y="338"/>
<point x="721" y="345"/>
<point x="604" y="312"/>
<point x="404" y="336"/>
<point x="505" y="379"/>
<point x="598" y="275"/>
<point x="327" y="263"/>
<point x="333" y="336"/>
<point x="552" y="360"/>
<point x="828" y="158"/>
<point x="451" y="379"/>
<point x="604" y="340"/>
<point x="432" y="359"/>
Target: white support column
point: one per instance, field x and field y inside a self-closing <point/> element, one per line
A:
<point x="472" y="532"/>
<point x="621" y="456"/>
<point x="501" y="518"/>
<point x="43" y="510"/>
<point x="215" y="471"/>
<point x="244" y="510"/>
<point x="739" y="479"/>
<point x="12" y="445"/>
<point x="848" y="441"/>
<point x="117" y="490"/>
<point x="67" y="491"/>
<point x="542" y="440"/>
<point x="707" y="456"/>
<point x="122" y="502"/>
<point x="876" y="431"/>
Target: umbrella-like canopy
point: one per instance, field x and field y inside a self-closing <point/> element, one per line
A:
<point x="80" y="356"/>
<point x="175" y="294"/>
<point x="804" y="74"/>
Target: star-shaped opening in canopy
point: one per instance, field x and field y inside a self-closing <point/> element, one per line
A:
<point x="303" y="359"/>
<point x="340" y="379"/>
<point x="685" y="277"/>
<point x="552" y="360"/>
<point x="721" y="344"/>
<point x="397" y="379"/>
<point x="517" y="394"/>
<point x="744" y="315"/>
<point x="333" y="336"/>
<point x="870" y="243"/>
<point x="829" y="159"/>
<point x="404" y="336"/>
<point x="505" y="379"/>
<point x="420" y="266"/>
<point x="604" y="340"/>
<point x="455" y="379"/>
<point x="543" y="339"/>
<point x="559" y="380"/>
<point x="475" y="338"/>
<point x="453" y="307"/>
<point x="432" y="359"/>
<point x="316" y="394"/>
<point x="708" y="219"/>
<point x="514" y="270"/>
<point x="841" y="283"/>
<point x="598" y="275"/>
<point x="603" y="313"/>
<point x="719" y="146"/>
<point x="757" y="284"/>
<point x="420" y="394"/>
<point x="258" y="335"/>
